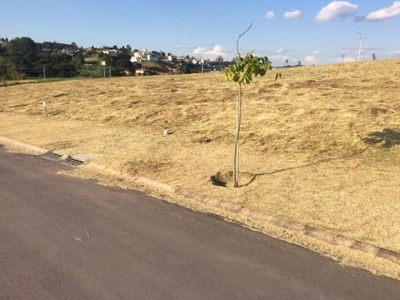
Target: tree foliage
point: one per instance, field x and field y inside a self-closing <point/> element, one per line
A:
<point x="243" y="69"/>
<point x="25" y="58"/>
<point x="8" y="70"/>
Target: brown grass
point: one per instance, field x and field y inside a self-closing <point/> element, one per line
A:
<point x="319" y="146"/>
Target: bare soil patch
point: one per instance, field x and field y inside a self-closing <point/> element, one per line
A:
<point x="319" y="147"/>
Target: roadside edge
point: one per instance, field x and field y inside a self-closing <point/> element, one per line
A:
<point x="236" y="213"/>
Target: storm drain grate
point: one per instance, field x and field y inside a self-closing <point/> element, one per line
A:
<point x="70" y="161"/>
<point x="50" y="155"/>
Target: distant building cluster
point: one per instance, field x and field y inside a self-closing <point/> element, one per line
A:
<point x="138" y="56"/>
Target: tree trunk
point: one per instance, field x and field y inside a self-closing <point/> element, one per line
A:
<point x="238" y="121"/>
<point x="238" y="118"/>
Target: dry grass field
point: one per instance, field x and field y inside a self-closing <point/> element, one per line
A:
<point x="321" y="146"/>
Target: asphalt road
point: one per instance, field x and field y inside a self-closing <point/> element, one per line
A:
<point x="66" y="238"/>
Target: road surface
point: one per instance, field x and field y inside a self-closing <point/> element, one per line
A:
<point x="67" y="238"/>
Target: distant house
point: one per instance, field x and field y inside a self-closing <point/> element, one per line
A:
<point x="171" y="57"/>
<point x="140" y="55"/>
<point x="136" y="57"/>
<point x="205" y="61"/>
<point x="67" y="51"/>
<point x="185" y="58"/>
<point x="154" y="56"/>
<point x="113" y="52"/>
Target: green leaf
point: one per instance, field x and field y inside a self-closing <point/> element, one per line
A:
<point x="243" y="69"/>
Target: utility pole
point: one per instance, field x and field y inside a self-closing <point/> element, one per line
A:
<point x="44" y="71"/>
<point x="361" y="45"/>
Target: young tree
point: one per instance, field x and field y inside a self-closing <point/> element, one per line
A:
<point x="241" y="71"/>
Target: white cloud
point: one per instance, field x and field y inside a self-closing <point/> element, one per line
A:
<point x="335" y="10"/>
<point x="199" y="50"/>
<point x="294" y="15"/>
<point x="384" y="13"/>
<point x="316" y="52"/>
<point x="213" y="53"/>
<point x="310" y="59"/>
<point x="278" y="57"/>
<point x="280" y="51"/>
<point x="395" y="54"/>
<point x="270" y="15"/>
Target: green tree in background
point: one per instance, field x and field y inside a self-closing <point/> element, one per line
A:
<point x="23" y="52"/>
<point x="8" y="71"/>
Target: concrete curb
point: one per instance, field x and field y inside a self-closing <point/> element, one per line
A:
<point x="237" y="213"/>
<point x="21" y="145"/>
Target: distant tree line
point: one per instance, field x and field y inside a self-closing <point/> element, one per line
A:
<point x="22" y="57"/>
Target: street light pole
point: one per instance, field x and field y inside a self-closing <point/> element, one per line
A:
<point x="361" y="45"/>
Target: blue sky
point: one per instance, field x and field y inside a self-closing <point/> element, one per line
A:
<point x="312" y="32"/>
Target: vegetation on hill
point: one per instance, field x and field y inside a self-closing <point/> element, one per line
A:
<point x="24" y="58"/>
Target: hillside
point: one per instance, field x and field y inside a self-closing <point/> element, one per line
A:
<point x="319" y="147"/>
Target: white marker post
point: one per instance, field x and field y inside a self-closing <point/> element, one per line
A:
<point x="45" y="107"/>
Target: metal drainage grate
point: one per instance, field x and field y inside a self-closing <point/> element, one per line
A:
<point x="50" y="155"/>
<point x="70" y="161"/>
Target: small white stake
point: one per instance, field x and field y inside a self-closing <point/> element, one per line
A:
<point x="45" y="107"/>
